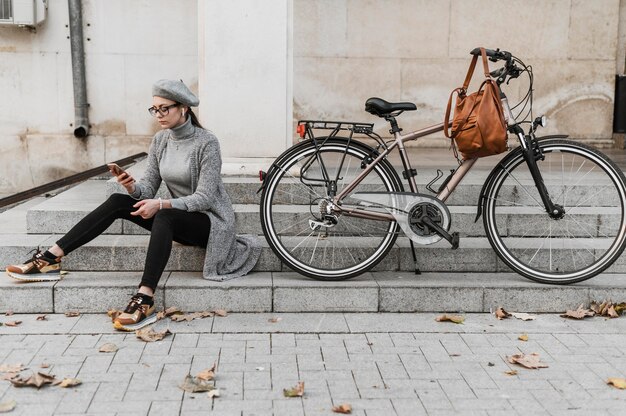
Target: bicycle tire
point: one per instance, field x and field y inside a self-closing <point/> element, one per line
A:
<point x="351" y="247"/>
<point x="590" y="236"/>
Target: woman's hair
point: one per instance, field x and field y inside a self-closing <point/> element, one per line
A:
<point x="194" y="119"/>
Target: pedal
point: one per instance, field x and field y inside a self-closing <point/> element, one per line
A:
<point x="455" y="240"/>
<point x="452" y="239"/>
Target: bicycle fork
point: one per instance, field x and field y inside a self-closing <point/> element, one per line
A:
<point x="532" y="153"/>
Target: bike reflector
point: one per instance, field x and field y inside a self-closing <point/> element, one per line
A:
<point x="301" y="129"/>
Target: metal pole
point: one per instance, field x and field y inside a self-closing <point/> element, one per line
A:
<point x="81" y="117"/>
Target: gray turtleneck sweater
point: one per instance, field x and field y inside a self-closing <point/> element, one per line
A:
<point x="175" y="166"/>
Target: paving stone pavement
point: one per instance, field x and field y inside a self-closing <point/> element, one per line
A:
<point x="380" y="363"/>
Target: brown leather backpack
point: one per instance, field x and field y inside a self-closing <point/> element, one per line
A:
<point x="478" y="126"/>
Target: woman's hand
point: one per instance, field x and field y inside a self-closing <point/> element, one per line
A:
<point x="126" y="181"/>
<point x="147" y="208"/>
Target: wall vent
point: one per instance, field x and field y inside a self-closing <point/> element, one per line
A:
<point x="23" y="12"/>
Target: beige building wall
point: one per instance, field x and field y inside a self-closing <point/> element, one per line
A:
<point x="346" y="51"/>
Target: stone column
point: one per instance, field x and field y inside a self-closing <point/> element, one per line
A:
<point x="245" y="73"/>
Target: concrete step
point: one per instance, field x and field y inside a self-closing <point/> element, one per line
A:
<point x="127" y="253"/>
<point x="59" y="214"/>
<point x="58" y="217"/>
<point x="96" y="292"/>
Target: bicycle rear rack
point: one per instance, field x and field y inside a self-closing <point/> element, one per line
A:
<point x="355" y="127"/>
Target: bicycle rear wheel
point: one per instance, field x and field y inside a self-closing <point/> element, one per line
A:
<point x="297" y="193"/>
<point x="585" y="241"/>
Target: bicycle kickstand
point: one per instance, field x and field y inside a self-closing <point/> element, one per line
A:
<point x="417" y="269"/>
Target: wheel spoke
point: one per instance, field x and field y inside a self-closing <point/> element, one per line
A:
<point x="349" y="247"/>
<point x="571" y="248"/>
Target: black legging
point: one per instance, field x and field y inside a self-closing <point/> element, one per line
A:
<point x="189" y="228"/>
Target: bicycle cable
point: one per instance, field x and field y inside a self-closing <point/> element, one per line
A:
<point x="527" y="100"/>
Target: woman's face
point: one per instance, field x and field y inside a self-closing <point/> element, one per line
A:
<point x="169" y="114"/>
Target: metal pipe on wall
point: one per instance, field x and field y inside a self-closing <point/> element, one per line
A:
<point x="81" y="106"/>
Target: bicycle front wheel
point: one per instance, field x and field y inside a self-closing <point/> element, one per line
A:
<point x="585" y="241"/>
<point x="298" y="195"/>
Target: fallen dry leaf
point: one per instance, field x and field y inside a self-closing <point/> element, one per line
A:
<point x="108" y="347"/>
<point x="511" y="373"/>
<point x="344" y="408"/>
<point x="8" y="406"/>
<point x="598" y="307"/>
<point x="527" y="360"/>
<point x="523" y="316"/>
<point x="207" y="374"/>
<point x="69" y="382"/>
<point x="611" y="313"/>
<point x="457" y="319"/>
<point x="8" y="313"/>
<point x="12" y="323"/>
<point x="608" y="308"/>
<point x="580" y="313"/>
<point x="191" y="316"/>
<point x="620" y="307"/>
<point x="11" y="368"/>
<point x="501" y="313"/>
<point x="42" y="318"/>
<point x="72" y="314"/>
<point x="172" y="310"/>
<point x="181" y="318"/>
<point x="113" y="314"/>
<point x="195" y="385"/>
<point x="523" y="337"/>
<point x="274" y="320"/>
<point x="213" y="393"/>
<point x="149" y="335"/>
<point x="44" y="365"/>
<point x="619" y="383"/>
<point x="35" y="380"/>
<point x="220" y="312"/>
<point x="297" y="391"/>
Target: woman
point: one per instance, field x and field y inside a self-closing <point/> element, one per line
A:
<point x="187" y="158"/>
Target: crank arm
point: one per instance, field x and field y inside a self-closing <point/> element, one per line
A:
<point x="453" y="238"/>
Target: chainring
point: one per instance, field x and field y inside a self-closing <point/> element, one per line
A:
<point x="408" y="209"/>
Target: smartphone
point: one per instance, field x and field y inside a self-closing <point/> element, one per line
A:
<point x="115" y="169"/>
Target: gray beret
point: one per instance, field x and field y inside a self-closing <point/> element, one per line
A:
<point x="175" y="91"/>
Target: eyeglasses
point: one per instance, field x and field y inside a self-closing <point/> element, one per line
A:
<point x="163" y="110"/>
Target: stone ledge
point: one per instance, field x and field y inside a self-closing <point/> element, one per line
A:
<point x="96" y="292"/>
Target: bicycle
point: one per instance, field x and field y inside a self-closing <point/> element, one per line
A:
<point x="332" y="207"/>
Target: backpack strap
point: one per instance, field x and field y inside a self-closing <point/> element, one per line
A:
<point x="446" y="120"/>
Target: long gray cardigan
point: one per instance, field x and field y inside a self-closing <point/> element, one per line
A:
<point x="227" y="255"/>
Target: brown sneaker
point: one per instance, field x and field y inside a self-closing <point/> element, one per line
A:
<point x="138" y="313"/>
<point x="37" y="269"/>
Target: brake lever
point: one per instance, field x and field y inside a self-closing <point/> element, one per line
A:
<point x="498" y="72"/>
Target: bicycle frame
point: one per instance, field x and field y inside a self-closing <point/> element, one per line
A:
<point x="457" y="176"/>
<point x="399" y="141"/>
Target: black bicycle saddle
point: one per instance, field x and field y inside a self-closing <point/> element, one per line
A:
<point x="382" y="108"/>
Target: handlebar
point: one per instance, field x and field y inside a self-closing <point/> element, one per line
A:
<point x="510" y="69"/>
<point x="494" y="56"/>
